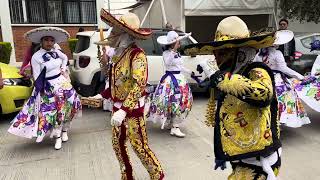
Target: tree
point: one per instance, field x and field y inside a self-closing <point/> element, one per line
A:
<point x="301" y="10"/>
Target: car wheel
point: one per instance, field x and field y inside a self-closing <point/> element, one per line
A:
<point x="88" y="90"/>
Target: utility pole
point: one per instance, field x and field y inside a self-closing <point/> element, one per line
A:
<point x="275" y="14"/>
<point x="109" y="6"/>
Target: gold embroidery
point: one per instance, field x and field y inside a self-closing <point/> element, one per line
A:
<point x="129" y="78"/>
<point x="211" y="110"/>
<point x="137" y="134"/>
<point x="242" y="173"/>
<point x="259" y="88"/>
<point x="245" y="128"/>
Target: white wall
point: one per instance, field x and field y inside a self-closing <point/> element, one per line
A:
<point x="6" y="28"/>
<point x="296" y="26"/>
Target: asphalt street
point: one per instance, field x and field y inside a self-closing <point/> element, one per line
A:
<point x="88" y="155"/>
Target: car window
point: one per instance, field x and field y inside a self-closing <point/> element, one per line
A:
<point x="317" y="37"/>
<point x="184" y="42"/>
<point x="82" y="43"/>
<point x="147" y="46"/>
<point x="306" y="42"/>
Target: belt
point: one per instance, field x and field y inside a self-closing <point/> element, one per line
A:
<point x="42" y="80"/>
<point x="173" y="78"/>
<point x="138" y="105"/>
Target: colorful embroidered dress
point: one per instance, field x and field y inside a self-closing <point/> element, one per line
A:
<point x="309" y="88"/>
<point x="53" y="103"/>
<point x="172" y="97"/>
<point x="292" y="113"/>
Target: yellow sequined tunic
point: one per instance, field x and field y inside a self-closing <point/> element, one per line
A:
<point x="246" y="119"/>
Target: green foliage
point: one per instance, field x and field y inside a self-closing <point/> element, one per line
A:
<point x="5" y="52"/>
<point x="72" y="44"/>
<point x="301" y="10"/>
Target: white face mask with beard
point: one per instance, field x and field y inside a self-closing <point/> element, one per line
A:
<point x="124" y="41"/>
<point x="245" y="56"/>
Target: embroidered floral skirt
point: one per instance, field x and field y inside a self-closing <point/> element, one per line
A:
<point x="291" y="110"/>
<point x="52" y="109"/>
<point x="168" y="102"/>
<point x="309" y="91"/>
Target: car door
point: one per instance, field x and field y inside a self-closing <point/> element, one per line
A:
<point x="155" y="62"/>
<point x="305" y="62"/>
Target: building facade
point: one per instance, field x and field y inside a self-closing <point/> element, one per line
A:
<point x="20" y="16"/>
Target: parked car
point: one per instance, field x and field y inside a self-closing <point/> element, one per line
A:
<point x="86" y="72"/>
<point x="304" y="58"/>
<point x="16" y="89"/>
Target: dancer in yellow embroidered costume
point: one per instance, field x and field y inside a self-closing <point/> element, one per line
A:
<point x="246" y="126"/>
<point x="127" y="85"/>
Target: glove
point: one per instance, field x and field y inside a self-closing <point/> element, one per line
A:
<point x="220" y="163"/>
<point x="118" y="117"/>
<point x="209" y="67"/>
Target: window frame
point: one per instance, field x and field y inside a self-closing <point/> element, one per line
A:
<point x="27" y="14"/>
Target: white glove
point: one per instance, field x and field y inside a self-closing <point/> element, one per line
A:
<point x="118" y="117"/>
<point x="209" y="67"/>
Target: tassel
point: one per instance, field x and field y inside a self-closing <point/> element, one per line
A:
<point x="211" y="110"/>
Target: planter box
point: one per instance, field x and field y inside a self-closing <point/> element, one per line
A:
<point x="91" y="102"/>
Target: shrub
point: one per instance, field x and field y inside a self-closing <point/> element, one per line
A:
<point x="72" y="44"/>
<point x="5" y="52"/>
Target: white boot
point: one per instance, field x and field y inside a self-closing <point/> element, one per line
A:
<point x="58" y="144"/>
<point x="39" y="139"/>
<point x="64" y="137"/>
<point x="175" y="131"/>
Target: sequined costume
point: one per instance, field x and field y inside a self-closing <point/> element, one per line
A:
<point x="243" y="108"/>
<point x="246" y="121"/>
<point x="127" y="82"/>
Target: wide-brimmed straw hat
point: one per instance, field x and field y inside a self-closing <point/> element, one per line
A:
<point x="171" y="37"/>
<point x="128" y="23"/>
<point x="232" y="32"/>
<point x="59" y="35"/>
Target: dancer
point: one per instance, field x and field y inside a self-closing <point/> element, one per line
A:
<point x="291" y="110"/>
<point x="128" y="81"/>
<point x="246" y="131"/>
<point x="53" y="103"/>
<point x="172" y="99"/>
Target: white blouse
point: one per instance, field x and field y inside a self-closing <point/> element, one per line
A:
<point x="316" y="66"/>
<point x="54" y="66"/>
<point x="276" y="61"/>
<point x="174" y="62"/>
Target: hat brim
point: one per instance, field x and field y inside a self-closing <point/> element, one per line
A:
<point x="163" y="40"/>
<point x="141" y="33"/>
<point x="283" y="37"/>
<point x="208" y="48"/>
<point x="58" y="34"/>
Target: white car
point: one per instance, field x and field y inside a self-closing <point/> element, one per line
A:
<point x="304" y="58"/>
<point x="86" y="71"/>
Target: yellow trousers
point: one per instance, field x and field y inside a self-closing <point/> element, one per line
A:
<point x="134" y="128"/>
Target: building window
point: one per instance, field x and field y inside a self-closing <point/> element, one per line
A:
<point x="16" y="11"/>
<point x="53" y="11"/>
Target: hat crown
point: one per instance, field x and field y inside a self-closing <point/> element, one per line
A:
<point x="232" y="28"/>
<point x="172" y="36"/>
<point x="131" y="20"/>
